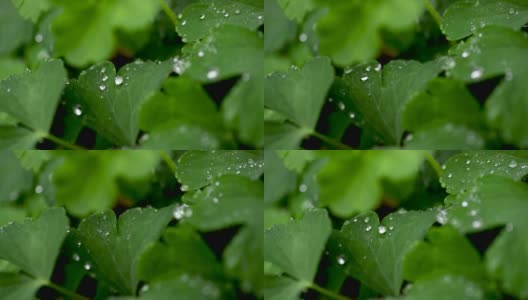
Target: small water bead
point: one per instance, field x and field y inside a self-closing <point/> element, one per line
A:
<point x="182" y="211"/>
<point x="184" y="188"/>
<point x="476" y="74"/>
<point x="512" y="11"/>
<point x="118" y="80"/>
<point x="39" y="38"/>
<point x="226" y="15"/>
<point x="465" y="204"/>
<point x="76" y="257"/>
<point x="87" y="266"/>
<point x="441" y="217"/>
<point x="303" y="188"/>
<point x="341" y="260"/>
<point x="382" y="229"/>
<point x="105" y="78"/>
<point x="215" y="200"/>
<point x="364" y="78"/>
<point x="303" y="37"/>
<point x="39" y="189"/>
<point x="77" y="110"/>
<point x="476" y="224"/>
<point x="368" y="228"/>
<point x="465" y="54"/>
<point x="341" y="105"/>
<point x="202" y="17"/>
<point x="366" y="220"/>
<point x="513" y="164"/>
<point x="352" y="115"/>
<point x="184" y="22"/>
<point x="102" y="87"/>
<point x="473" y="213"/>
<point x="378" y="68"/>
<point x="237" y="11"/>
<point x="201" y="53"/>
<point x="212" y="74"/>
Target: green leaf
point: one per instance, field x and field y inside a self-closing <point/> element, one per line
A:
<point x="199" y="17"/>
<point x="181" y="116"/>
<point x="493" y="51"/>
<point x="445" y="252"/>
<point x="85" y="31"/>
<point x="31" y="9"/>
<point x="32" y="97"/>
<point x="296" y="10"/>
<point x="506" y="108"/>
<point x="17" y="286"/>
<point x="243" y="108"/>
<point x="296" y="247"/>
<point x="113" y="248"/>
<point x="197" y="169"/>
<point x="444" y="101"/>
<point x="279" y="180"/>
<point x="184" y="286"/>
<point x="283" y="288"/>
<point x="15" y="180"/>
<point x="181" y="250"/>
<point x="464" y="17"/>
<point x="279" y="30"/>
<point x="231" y="200"/>
<point x="10" y="66"/>
<point x="110" y="102"/>
<point x="462" y="170"/>
<point x="283" y="136"/>
<point x="445" y="137"/>
<point x="359" y="177"/>
<point x="350" y="32"/>
<point x="18" y="138"/>
<point x="505" y="259"/>
<point x="373" y="253"/>
<point x="34" y="245"/>
<point x="14" y="30"/>
<point x="492" y="201"/>
<point x="226" y="52"/>
<point x="381" y="97"/>
<point x="447" y="287"/>
<point x="299" y="94"/>
<point x="97" y="188"/>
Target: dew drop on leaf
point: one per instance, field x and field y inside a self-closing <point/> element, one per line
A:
<point x="87" y="266"/>
<point x="368" y="228"/>
<point x="118" y="80"/>
<point x="382" y="229"/>
<point x="39" y="189"/>
<point x="341" y="260"/>
<point x="513" y="164"/>
<point x="212" y="73"/>
<point x="77" y="110"/>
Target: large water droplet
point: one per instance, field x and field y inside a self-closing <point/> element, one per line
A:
<point x="476" y="74"/>
<point x="212" y="73"/>
<point x="118" y="80"/>
<point x="341" y="260"/>
<point x="382" y="229"/>
<point x="77" y="110"/>
<point x="513" y="164"/>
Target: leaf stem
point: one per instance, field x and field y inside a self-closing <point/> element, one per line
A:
<point x="326" y="292"/>
<point x="168" y="160"/>
<point x="62" y="142"/>
<point x="168" y="11"/>
<point x="65" y="291"/>
<point x="434" y="164"/>
<point x="434" y="13"/>
<point x="330" y="141"/>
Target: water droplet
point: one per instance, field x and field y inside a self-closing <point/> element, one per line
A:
<point x="473" y="212"/>
<point x="184" y="188"/>
<point x="352" y="115"/>
<point x="39" y="38"/>
<point x="382" y="229"/>
<point x="102" y="87"/>
<point x="341" y="105"/>
<point x="212" y="73"/>
<point x="77" y="110"/>
<point x="215" y="200"/>
<point x="513" y="164"/>
<point x="303" y="37"/>
<point x="202" y="17"/>
<point x="303" y="188"/>
<point x="39" y="189"/>
<point x="449" y="175"/>
<point x="237" y="11"/>
<point x="476" y="224"/>
<point x="105" y="78"/>
<point x="118" y="80"/>
<point x="201" y="53"/>
<point x="226" y="15"/>
<point x="465" y="54"/>
<point x="368" y="228"/>
<point x="378" y="68"/>
<point x="182" y="211"/>
<point x="76" y="257"/>
<point x="465" y="204"/>
<point x="512" y="11"/>
<point x="475" y="74"/>
<point x="184" y="22"/>
<point x="341" y="260"/>
<point x="364" y="78"/>
<point x="87" y="266"/>
<point x="441" y="217"/>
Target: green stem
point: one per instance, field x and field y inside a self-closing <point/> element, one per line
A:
<point x="168" y="160"/>
<point x="62" y="142"/>
<point x="65" y="291"/>
<point x="169" y="12"/>
<point x="330" y="141"/>
<point x="327" y="293"/>
<point x="434" y="13"/>
<point x="434" y="164"/>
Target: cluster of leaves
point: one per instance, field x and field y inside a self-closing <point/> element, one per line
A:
<point x="58" y="89"/>
<point x="360" y="224"/>
<point x="363" y="74"/>
<point x="131" y="224"/>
